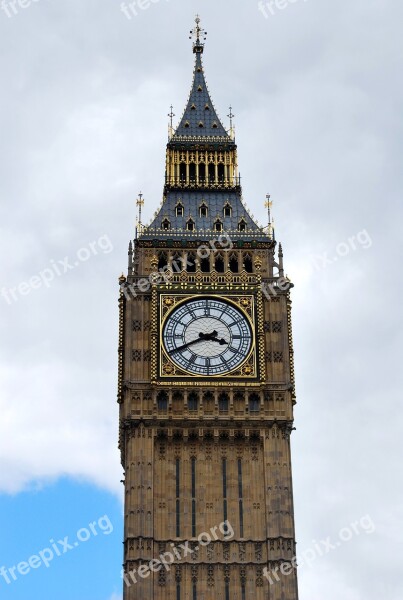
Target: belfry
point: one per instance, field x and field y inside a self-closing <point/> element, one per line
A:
<point x="206" y="381"/>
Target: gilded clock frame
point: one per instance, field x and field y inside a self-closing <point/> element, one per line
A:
<point x="249" y="372"/>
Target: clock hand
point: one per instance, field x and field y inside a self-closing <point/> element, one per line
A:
<point x="221" y="341"/>
<point x="202" y="337"/>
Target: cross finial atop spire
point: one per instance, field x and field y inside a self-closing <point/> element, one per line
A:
<point x="139" y="204"/>
<point x="170" y="128"/>
<point x="199" y="35"/>
<point x="231" y="116"/>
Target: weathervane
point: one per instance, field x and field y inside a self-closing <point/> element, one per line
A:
<point x="198" y="33"/>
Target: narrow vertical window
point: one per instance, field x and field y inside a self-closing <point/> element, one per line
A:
<point x="227" y="590"/>
<point x="193" y="497"/>
<point x="194" y="592"/>
<point x="224" y="486"/>
<point x="178" y="591"/>
<point x="243" y="592"/>
<point x="240" y="494"/>
<point x="178" y="507"/>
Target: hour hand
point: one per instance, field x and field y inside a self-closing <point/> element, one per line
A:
<point x="222" y="342"/>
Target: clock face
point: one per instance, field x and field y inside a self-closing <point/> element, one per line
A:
<point x="207" y="337"/>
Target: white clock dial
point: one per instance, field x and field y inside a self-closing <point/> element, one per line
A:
<point x="207" y="336"/>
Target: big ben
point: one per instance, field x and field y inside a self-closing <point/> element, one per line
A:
<point x="206" y="381"/>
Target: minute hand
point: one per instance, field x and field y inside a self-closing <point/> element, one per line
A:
<point x="201" y="338"/>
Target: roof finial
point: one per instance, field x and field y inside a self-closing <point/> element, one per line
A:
<point x="199" y="35"/>
<point x="171" y="116"/>
<point x="139" y="204"/>
<point x="231" y="128"/>
<point x="268" y="205"/>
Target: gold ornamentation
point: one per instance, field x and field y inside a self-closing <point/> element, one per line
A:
<point x="168" y="369"/>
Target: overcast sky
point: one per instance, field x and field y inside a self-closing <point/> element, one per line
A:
<point x="316" y="87"/>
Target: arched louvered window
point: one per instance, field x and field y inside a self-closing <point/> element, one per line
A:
<point x="162" y="401"/>
<point x="247" y="263"/>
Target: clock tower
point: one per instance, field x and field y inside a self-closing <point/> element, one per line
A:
<point x="206" y="382"/>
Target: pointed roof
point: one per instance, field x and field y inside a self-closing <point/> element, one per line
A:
<point x="196" y="207"/>
<point x="204" y="224"/>
<point x="200" y="118"/>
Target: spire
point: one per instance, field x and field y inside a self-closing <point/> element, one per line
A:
<point x="202" y="193"/>
<point x="199" y="118"/>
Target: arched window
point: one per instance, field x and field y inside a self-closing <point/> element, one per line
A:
<point x="254" y="403"/>
<point x="233" y="263"/>
<point x="191" y="263"/>
<point x="247" y="263"/>
<point x="182" y="171"/>
<point x="193" y="401"/>
<point x="219" y="264"/>
<point x="205" y="265"/>
<point x="211" y="173"/>
<point x="162" y="401"/>
<point x="203" y="210"/>
<point x="192" y="172"/>
<point x="166" y="224"/>
<point x="217" y="225"/>
<point x="177" y="262"/>
<point x="202" y="172"/>
<point x="242" y="225"/>
<point x="223" y="403"/>
<point x="162" y="260"/>
<point x="227" y="210"/>
<point x="190" y="225"/>
<point x="221" y="172"/>
<point x="179" y="210"/>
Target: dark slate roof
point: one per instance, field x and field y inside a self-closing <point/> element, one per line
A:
<point x="196" y="111"/>
<point x="204" y="226"/>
